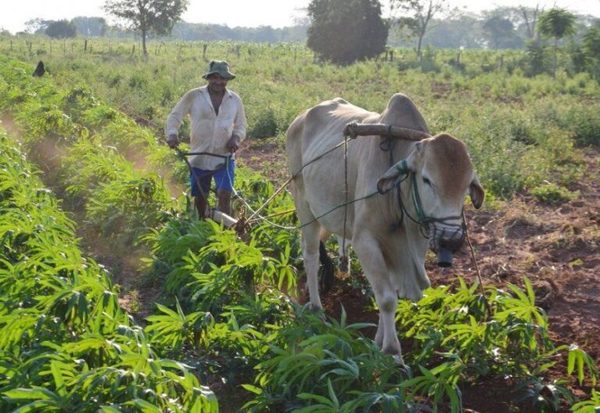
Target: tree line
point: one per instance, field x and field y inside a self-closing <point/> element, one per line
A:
<point x="344" y="31"/>
<point x="98" y="27"/>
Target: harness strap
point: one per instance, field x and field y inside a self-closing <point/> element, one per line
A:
<point x="421" y="217"/>
<point x="345" y="193"/>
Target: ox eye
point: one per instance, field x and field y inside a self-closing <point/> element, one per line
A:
<point x="426" y="181"/>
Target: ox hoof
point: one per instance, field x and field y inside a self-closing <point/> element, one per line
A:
<point x="315" y="308"/>
<point x="392" y="351"/>
<point x="399" y="361"/>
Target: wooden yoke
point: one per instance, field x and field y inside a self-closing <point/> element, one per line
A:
<point x="364" y="129"/>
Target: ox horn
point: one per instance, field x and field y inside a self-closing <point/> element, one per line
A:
<point x="361" y="129"/>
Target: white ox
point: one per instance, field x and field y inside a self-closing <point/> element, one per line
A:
<point x="422" y="186"/>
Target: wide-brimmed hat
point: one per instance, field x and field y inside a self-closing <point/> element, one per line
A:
<point x="219" y="67"/>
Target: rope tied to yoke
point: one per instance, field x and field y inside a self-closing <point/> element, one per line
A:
<point x="344" y="237"/>
<point x="351" y="131"/>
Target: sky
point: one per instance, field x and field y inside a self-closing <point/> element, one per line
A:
<point x="248" y="13"/>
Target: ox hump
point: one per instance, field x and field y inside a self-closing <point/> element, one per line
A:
<point x="401" y="111"/>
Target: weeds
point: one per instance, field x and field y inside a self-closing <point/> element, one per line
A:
<point x="553" y="194"/>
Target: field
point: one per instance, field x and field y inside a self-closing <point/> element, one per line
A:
<point x="117" y="299"/>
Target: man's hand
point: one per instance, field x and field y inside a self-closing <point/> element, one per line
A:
<point x="172" y="141"/>
<point x="233" y="144"/>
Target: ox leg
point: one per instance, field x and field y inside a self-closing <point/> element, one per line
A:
<point x="310" y="252"/>
<point x="379" y="334"/>
<point x="375" y="269"/>
<point x="387" y="301"/>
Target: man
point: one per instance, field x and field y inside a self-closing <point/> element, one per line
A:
<point x="218" y="125"/>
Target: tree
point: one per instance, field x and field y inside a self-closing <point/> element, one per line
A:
<point x="501" y="33"/>
<point x="591" y="43"/>
<point x="591" y="48"/>
<point x="147" y="16"/>
<point x="36" y="26"/>
<point x="60" y="29"/>
<point x="421" y="12"/>
<point x="463" y="30"/>
<point x="535" y="61"/>
<point x="530" y="17"/>
<point x="90" y="26"/>
<point x="556" y="23"/>
<point x="524" y="20"/>
<point x="345" y="31"/>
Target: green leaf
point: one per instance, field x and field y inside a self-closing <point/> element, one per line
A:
<point x="144" y="406"/>
<point x="252" y="389"/>
<point x="38" y="406"/>
<point x="29" y="394"/>
<point x="332" y="394"/>
<point x="109" y="409"/>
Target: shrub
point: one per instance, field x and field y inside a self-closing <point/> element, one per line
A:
<point x="537" y="60"/>
<point x="553" y="194"/>
<point x="584" y="121"/>
<point x="264" y="125"/>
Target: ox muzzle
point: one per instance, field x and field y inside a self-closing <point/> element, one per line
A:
<point x="445" y="240"/>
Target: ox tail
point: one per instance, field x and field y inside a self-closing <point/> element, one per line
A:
<point x="326" y="271"/>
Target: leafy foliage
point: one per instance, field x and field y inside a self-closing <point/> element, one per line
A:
<point x="346" y="31"/>
<point x="501" y="33"/>
<point x="588" y="406"/>
<point x="421" y="14"/>
<point x="148" y="16"/>
<point x="71" y="347"/>
<point x="552" y="194"/>
<point x="453" y="339"/>
<point x="556" y="23"/>
<point x="61" y="29"/>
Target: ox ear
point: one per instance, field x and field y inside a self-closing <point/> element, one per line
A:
<point x="393" y="176"/>
<point x="476" y="193"/>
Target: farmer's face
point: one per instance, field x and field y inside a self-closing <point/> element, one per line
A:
<point x="216" y="83"/>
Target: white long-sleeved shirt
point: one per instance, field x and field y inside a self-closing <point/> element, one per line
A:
<point x="209" y="131"/>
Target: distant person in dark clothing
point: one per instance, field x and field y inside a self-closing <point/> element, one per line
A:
<point x="39" y="70"/>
